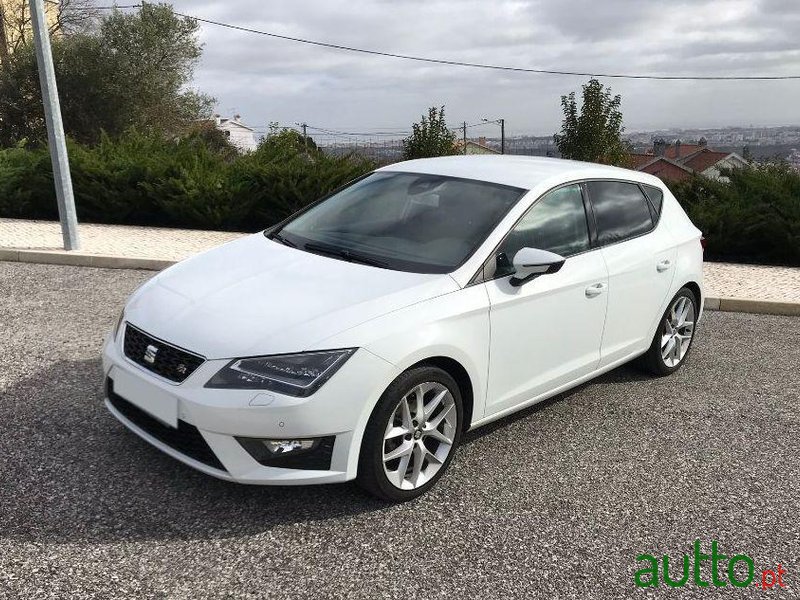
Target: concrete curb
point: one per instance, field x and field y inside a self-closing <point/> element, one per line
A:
<point x="77" y="259"/>
<point x="758" y="307"/>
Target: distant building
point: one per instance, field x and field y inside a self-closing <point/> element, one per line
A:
<point x="239" y="134"/>
<point x="15" y="24"/>
<point x="661" y="166"/>
<point x="473" y="147"/>
<point x="680" y="161"/>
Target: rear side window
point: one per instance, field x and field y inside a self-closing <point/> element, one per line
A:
<point x="656" y="197"/>
<point x="620" y="211"/>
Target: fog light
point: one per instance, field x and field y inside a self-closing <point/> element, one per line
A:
<point x="287" y="446"/>
<point x="296" y="453"/>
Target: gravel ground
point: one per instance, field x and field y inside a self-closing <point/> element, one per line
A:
<point x="554" y="502"/>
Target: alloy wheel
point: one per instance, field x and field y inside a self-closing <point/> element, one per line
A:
<point x="419" y="435"/>
<point x="678" y="331"/>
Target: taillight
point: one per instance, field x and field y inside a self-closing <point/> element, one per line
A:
<point x="703" y="243"/>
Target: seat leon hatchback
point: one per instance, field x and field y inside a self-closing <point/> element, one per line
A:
<point x="361" y="337"/>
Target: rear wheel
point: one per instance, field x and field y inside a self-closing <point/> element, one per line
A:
<point x="411" y="435"/>
<point x="674" y="335"/>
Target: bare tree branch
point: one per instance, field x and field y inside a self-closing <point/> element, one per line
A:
<point x="63" y="17"/>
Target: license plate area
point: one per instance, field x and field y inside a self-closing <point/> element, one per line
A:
<point x="146" y="396"/>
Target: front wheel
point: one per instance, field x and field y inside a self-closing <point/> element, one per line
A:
<point x="674" y="335"/>
<point x="411" y="435"/>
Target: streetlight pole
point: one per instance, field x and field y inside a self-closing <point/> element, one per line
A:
<point x="502" y="123"/>
<point x="55" y="128"/>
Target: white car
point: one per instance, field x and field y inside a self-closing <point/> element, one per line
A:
<point x="361" y="337"/>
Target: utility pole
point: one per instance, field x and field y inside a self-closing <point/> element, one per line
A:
<point x="464" y="136"/>
<point x="55" y="128"/>
<point x="305" y="136"/>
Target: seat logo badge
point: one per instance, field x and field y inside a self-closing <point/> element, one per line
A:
<point x="181" y="369"/>
<point x="150" y="354"/>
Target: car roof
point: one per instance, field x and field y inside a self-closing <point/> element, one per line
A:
<point x="527" y="172"/>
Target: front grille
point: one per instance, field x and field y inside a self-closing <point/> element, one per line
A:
<point x="166" y="360"/>
<point x="186" y="439"/>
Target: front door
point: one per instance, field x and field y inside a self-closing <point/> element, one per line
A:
<point x="547" y="332"/>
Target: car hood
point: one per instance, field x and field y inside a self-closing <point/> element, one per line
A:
<point x="255" y="296"/>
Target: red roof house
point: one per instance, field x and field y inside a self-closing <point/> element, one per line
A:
<point x="679" y="161"/>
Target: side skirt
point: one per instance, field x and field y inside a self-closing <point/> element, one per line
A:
<point x="556" y="391"/>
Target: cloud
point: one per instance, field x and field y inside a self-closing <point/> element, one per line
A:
<point x="268" y="79"/>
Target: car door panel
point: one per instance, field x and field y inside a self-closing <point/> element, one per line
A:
<point x="640" y="277"/>
<point x="640" y="258"/>
<point x="547" y="332"/>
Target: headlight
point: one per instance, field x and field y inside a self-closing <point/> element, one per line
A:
<point x="292" y="374"/>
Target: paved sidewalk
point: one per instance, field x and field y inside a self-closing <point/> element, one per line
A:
<point x="155" y="243"/>
<point x="777" y="284"/>
<point x="746" y="288"/>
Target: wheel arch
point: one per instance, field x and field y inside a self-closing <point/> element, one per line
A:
<point x="457" y="371"/>
<point x="695" y="289"/>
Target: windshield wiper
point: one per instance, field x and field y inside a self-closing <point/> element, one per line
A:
<point x="279" y="238"/>
<point x="343" y="253"/>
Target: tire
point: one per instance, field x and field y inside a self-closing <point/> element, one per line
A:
<point x="654" y="360"/>
<point x="414" y="441"/>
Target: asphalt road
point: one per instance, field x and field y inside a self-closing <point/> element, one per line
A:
<point x="555" y="502"/>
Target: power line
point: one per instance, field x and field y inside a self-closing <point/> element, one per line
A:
<point x="112" y="7"/>
<point x="360" y="133"/>
<point x="473" y="65"/>
<point x="468" y="126"/>
<point x="489" y="66"/>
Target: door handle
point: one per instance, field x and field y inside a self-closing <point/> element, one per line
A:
<point x="595" y="290"/>
<point x="663" y="266"/>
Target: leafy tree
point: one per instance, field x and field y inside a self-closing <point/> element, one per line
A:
<point x="430" y="137"/>
<point x="206" y="133"/>
<point x="595" y="133"/>
<point x="288" y="142"/>
<point x="132" y="71"/>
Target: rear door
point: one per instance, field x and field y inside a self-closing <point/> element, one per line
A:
<point x="640" y="257"/>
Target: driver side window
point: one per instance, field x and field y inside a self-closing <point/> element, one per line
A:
<point x="556" y="222"/>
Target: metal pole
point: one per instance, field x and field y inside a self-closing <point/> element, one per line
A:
<point x="305" y="137"/>
<point x="464" y="130"/>
<point x="502" y="123"/>
<point x="55" y="128"/>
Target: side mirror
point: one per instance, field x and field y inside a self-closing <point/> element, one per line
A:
<point x="532" y="262"/>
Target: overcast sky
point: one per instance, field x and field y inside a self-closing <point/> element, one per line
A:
<point x="266" y="79"/>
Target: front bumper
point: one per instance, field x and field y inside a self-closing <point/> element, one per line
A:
<point x="180" y="419"/>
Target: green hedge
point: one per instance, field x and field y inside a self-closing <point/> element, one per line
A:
<point x="192" y="182"/>
<point x="754" y="217"/>
<point x="199" y="182"/>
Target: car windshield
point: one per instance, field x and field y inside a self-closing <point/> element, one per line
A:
<point x="403" y="221"/>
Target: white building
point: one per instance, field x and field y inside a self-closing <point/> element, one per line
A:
<point x="239" y="134"/>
